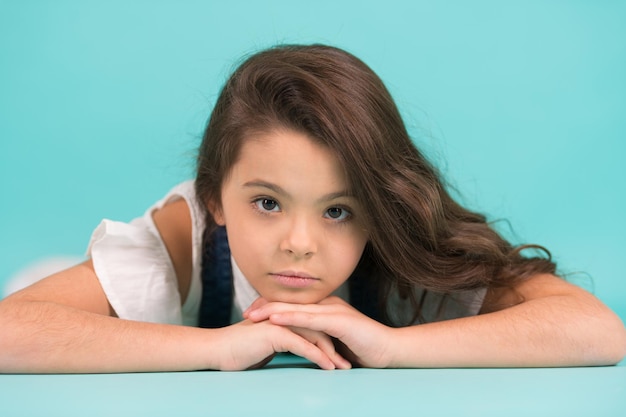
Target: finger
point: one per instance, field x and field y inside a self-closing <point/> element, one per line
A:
<point x="298" y="345"/>
<point x="264" y="311"/>
<point x="326" y="345"/>
<point x="258" y="303"/>
<point x="331" y="324"/>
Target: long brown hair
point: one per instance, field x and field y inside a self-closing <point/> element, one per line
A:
<point x="419" y="235"/>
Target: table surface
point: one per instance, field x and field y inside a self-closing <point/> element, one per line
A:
<point x="290" y="386"/>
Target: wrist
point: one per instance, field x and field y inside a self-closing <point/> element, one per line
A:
<point x="203" y="349"/>
<point x="390" y="357"/>
<point x="217" y="352"/>
<point x="389" y="348"/>
<point x="403" y="347"/>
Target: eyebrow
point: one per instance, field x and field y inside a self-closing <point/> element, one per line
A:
<point x="281" y="191"/>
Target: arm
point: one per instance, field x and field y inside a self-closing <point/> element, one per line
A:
<point x="64" y="324"/>
<point x="558" y="324"/>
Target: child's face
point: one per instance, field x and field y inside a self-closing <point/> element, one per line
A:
<point x="293" y="230"/>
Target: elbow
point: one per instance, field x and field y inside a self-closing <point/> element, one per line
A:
<point x="612" y="342"/>
<point x="7" y="339"/>
<point x="16" y="333"/>
<point x="620" y="345"/>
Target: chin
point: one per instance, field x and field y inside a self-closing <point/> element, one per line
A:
<point x="296" y="298"/>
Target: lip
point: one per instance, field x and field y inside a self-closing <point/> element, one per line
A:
<point x="294" y="279"/>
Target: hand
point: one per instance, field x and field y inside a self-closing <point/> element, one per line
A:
<point x="365" y="340"/>
<point x="251" y="345"/>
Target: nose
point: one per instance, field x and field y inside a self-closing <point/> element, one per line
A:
<point x="299" y="239"/>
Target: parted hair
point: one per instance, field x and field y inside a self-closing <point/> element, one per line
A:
<point x="419" y="236"/>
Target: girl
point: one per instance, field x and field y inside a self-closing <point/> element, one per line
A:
<point x="313" y="226"/>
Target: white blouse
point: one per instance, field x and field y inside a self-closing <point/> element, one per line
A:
<point x="137" y="275"/>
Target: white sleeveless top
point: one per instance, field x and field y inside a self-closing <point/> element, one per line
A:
<point x="138" y="278"/>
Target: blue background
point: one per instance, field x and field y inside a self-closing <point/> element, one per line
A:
<point x="522" y="105"/>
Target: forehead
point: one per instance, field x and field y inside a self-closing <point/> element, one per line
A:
<point x="290" y="159"/>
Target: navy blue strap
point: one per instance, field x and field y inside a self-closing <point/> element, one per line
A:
<point x="217" y="281"/>
<point x="364" y="294"/>
<point x="217" y="285"/>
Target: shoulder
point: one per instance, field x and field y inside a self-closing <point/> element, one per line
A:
<point x="173" y="221"/>
<point x="177" y="220"/>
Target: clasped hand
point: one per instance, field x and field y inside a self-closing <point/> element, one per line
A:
<point x="331" y="334"/>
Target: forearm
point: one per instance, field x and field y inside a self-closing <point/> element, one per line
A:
<point x="42" y="337"/>
<point x="551" y="331"/>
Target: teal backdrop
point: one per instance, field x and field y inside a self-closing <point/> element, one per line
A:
<point x="522" y="104"/>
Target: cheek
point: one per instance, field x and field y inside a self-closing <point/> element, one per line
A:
<point x="250" y="245"/>
<point x="245" y="240"/>
<point x="348" y="253"/>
